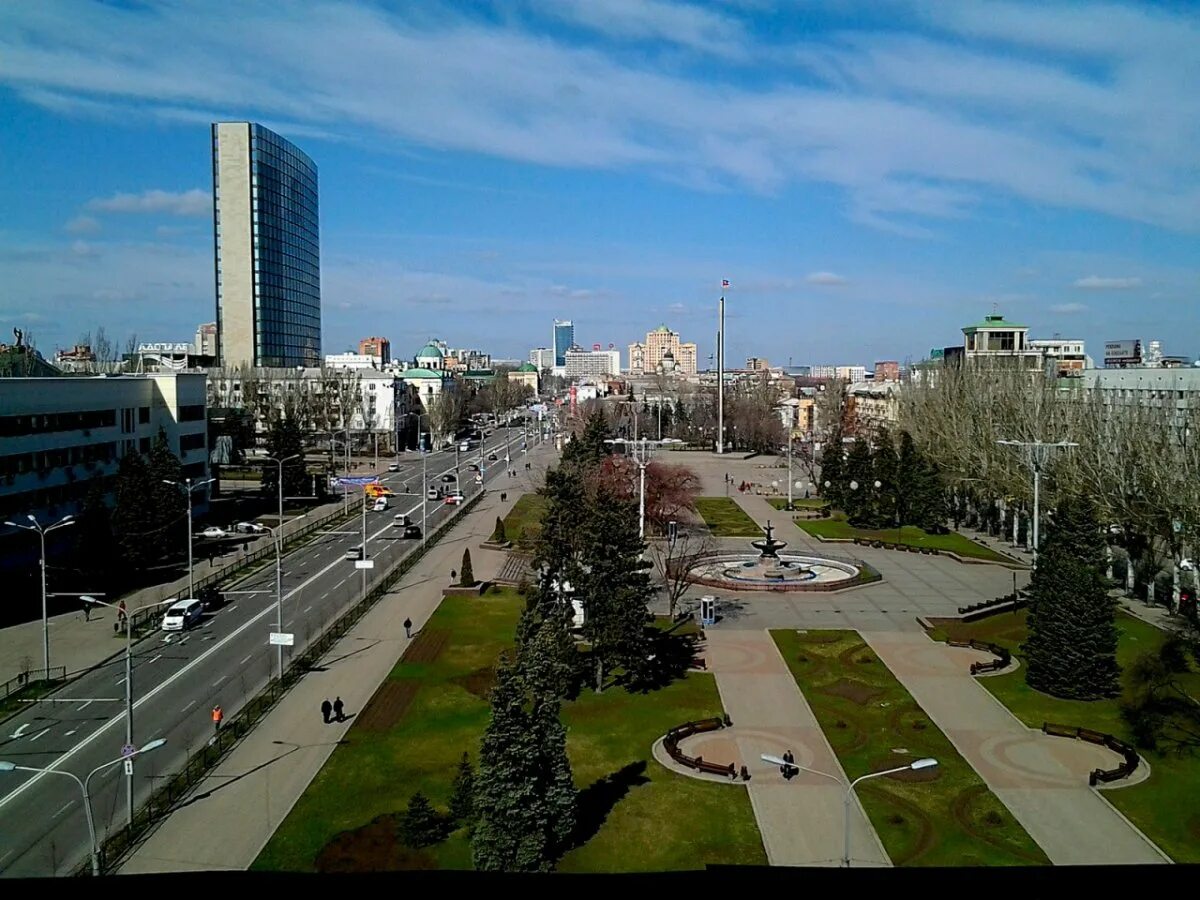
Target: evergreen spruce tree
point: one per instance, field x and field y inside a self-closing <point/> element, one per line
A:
<point x="833" y="470"/>
<point x="615" y="588"/>
<point x="588" y="447"/>
<point x="97" y="553"/>
<point x="462" y="798"/>
<point x="467" y="575"/>
<point x="133" y="520"/>
<point x="421" y="824"/>
<point x="525" y="812"/>
<point x="283" y="440"/>
<point x="498" y="533"/>
<point x="548" y="657"/>
<point x="885" y="464"/>
<point x="859" y="502"/>
<point x="169" y="504"/>
<point x="1071" y="649"/>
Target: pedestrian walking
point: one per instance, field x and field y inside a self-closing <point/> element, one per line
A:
<point x="217" y="715"/>
<point x="87" y="610"/>
<point x="326" y="709"/>
<point x="339" y="710"/>
<point x="453" y="574"/>
<point x="408" y="628"/>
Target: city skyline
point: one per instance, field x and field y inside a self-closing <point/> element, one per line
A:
<point x="918" y="165"/>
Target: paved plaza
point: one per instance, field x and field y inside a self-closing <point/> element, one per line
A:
<point x="1041" y="779"/>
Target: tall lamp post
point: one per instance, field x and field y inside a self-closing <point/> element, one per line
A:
<point x="84" y="785"/>
<point x="188" y="486"/>
<point x="1035" y="454"/>
<point x="42" y="532"/>
<point x="915" y="765"/>
<point x="277" y="536"/>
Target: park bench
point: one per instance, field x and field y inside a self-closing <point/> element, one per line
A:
<point x="1002" y="654"/>
<point x="687" y="729"/>
<point x="1129" y="761"/>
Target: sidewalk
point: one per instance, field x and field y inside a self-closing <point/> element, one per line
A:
<point x="1041" y="779"/>
<point x="801" y="821"/>
<point x="232" y="814"/>
<point x="80" y="644"/>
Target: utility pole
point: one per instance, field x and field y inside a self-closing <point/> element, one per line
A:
<point x="42" y="532"/>
<point x="1035" y="455"/>
<point x="791" y="505"/>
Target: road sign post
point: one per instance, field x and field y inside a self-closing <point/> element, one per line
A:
<point x="282" y="639"/>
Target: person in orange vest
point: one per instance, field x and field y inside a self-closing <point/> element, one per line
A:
<point x="217" y="715"/>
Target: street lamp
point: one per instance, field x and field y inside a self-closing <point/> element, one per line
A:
<point x="188" y="487"/>
<point x="915" y="765"/>
<point x="1035" y="455"/>
<point x="42" y="532"/>
<point x="641" y="457"/>
<point x="83" y="783"/>
<point x="277" y="537"/>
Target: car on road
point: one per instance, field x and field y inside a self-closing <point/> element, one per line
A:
<point x="183" y="614"/>
<point x="393" y="467"/>
<point x="464" y="446"/>
<point x="212" y="531"/>
<point x="454" y="499"/>
<point x="433" y="493"/>
<point x="355" y="553"/>
<point x="211" y="597"/>
<point x="381" y="504"/>
<point x="448" y="478"/>
<point x="491" y="457"/>
<point x="250" y="528"/>
<point x="401" y="520"/>
<point x="473" y="467"/>
<point x="412" y="531"/>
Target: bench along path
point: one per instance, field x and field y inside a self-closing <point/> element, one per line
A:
<point x="800" y="820"/>
<point x="1043" y="780"/>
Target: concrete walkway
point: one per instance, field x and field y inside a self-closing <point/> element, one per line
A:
<point x="1041" y="779"/>
<point x="230" y="817"/>
<point x="801" y="821"/>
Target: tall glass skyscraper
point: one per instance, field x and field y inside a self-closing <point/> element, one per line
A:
<point x="268" y="267"/>
<point x="564" y="340"/>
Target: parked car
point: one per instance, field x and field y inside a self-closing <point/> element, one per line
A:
<point x="448" y="478"/>
<point x="412" y="531"/>
<point x="212" y="531"/>
<point x="183" y="615"/>
<point x="250" y="528"/>
<point x="454" y="499"/>
<point x="354" y="553"/>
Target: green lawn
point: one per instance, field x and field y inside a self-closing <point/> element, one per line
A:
<point x="525" y="517"/>
<point x="725" y="518"/>
<point x="799" y="502"/>
<point x="642" y="816"/>
<point x="1163" y="806"/>
<point x="910" y="535"/>
<point x="953" y="819"/>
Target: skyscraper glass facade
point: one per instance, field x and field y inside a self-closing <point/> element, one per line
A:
<point x="284" y="248"/>
<point x="564" y="339"/>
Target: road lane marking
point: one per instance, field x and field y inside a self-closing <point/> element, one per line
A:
<point x="85" y="705"/>
<point x="246" y="660"/>
<point x="20" y="731"/>
<point x="72" y="731"/>
<point x="219" y="680"/>
<point x="308" y="608"/>
<point x="163" y="685"/>
<point x="186" y="708"/>
<point x="34" y="737"/>
<point x="156" y="659"/>
<point x="64" y="808"/>
<point x="121" y="680"/>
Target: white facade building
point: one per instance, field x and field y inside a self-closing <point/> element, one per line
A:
<point x="58" y="436"/>
<point x="542" y="357"/>
<point x="851" y="374"/>
<point x="585" y="363"/>
<point x="351" y="361"/>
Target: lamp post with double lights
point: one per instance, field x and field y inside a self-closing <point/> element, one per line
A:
<point x="42" y="532"/>
<point x="915" y="765"/>
<point x="84" y="788"/>
<point x="188" y="487"/>
<point x="1035" y="454"/>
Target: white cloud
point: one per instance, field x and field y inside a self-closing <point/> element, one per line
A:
<point x="175" y="203"/>
<point x="1097" y="283"/>
<point x="82" y="225"/>
<point x="83" y="248"/>
<point x="908" y="127"/>
<point x="1068" y="308"/>
<point x="824" y="278"/>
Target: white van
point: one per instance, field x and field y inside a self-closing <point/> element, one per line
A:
<point x="183" y="615"/>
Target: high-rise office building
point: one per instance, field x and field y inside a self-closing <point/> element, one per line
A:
<point x="267" y="252"/>
<point x="644" y="358"/>
<point x="564" y="340"/>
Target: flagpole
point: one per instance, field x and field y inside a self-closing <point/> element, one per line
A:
<point x="721" y="375"/>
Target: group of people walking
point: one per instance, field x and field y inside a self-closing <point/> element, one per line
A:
<point x="333" y="712"/>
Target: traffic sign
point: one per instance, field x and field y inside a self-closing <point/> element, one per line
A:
<point x="128" y="750"/>
<point x="364" y="564"/>
<point x="129" y="767"/>
<point x="282" y="639"/>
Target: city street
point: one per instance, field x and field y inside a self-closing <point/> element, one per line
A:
<point x="179" y="677"/>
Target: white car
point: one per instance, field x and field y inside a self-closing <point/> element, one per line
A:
<point x="250" y="528"/>
<point x="454" y="499"/>
<point x="393" y="467"/>
<point x="212" y="531"/>
<point x="183" y="615"/>
<point x="354" y="553"/>
<point x="381" y="504"/>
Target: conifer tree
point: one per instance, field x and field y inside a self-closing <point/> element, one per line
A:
<point x="498" y="532"/>
<point x="466" y="574"/>
<point x="133" y="520"/>
<point x="284" y="440"/>
<point x="462" y="798"/>
<point x="833" y="469"/>
<point x="860" y="470"/>
<point x="1071" y="649"/>
<point x="421" y="825"/>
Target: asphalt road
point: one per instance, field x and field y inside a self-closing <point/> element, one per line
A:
<point x="179" y="677"/>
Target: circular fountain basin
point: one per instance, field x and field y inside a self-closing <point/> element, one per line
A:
<point x="787" y="572"/>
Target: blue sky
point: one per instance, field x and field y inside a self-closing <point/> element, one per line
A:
<point x="871" y="176"/>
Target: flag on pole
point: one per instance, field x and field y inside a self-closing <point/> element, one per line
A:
<point x="724" y="283"/>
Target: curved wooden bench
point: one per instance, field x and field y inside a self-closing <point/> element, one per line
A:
<point x="687" y="729"/>
<point x="1129" y="762"/>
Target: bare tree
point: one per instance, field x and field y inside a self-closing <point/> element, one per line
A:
<point x="673" y="561"/>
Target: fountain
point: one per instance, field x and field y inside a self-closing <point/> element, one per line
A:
<point x="770" y="571"/>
